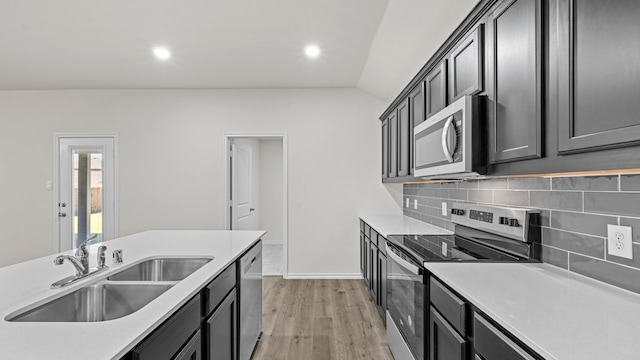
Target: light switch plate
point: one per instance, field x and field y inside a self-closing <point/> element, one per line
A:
<point x="415" y="204"/>
<point x="619" y="241"/>
<point x="444" y="208"/>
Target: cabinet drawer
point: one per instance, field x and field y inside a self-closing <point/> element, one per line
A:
<point x="361" y="225"/>
<point x="374" y="237"/>
<point x="219" y="288"/>
<point x="490" y="343"/>
<point x="165" y="342"/>
<point x="367" y="230"/>
<point x="452" y="308"/>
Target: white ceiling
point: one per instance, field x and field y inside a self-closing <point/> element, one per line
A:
<point x="89" y="44"/>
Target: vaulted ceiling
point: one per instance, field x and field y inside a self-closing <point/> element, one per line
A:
<point x="376" y="45"/>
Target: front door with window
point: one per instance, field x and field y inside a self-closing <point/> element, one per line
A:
<point x="85" y="200"/>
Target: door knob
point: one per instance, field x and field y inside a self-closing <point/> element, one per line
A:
<point x="252" y="209"/>
<point x="62" y="214"/>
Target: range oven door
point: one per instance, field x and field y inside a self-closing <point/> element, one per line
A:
<point x="406" y="299"/>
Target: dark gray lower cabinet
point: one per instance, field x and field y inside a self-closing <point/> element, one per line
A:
<point x="166" y="341"/>
<point x="492" y="344"/>
<point x="514" y="80"/>
<point x="444" y="341"/>
<point x="193" y="349"/>
<point x="222" y="325"/>
<point x="373" y="261"/>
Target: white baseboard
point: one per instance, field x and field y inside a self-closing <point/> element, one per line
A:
<point x="331" y="276"/>
<point x="272" y="242"/>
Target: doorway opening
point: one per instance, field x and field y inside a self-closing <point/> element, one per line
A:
<point x="84" y="201"/>
<point x="256" y="192"/>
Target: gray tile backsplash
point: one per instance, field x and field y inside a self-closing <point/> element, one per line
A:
<point x="575" y="212"/>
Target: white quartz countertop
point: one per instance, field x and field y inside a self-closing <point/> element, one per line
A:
<point x="560" y="315"/>
<point x="27" y="283"/>
<point x="387" y="225"/>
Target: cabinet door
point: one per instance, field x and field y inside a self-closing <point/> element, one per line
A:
<point x="445" y="343"/>
<point x="436" y="89"/>
<point x="598" y="73"/>
<point x="193" y="349"/>
<point x="363" y="254"/>
<point x="491" y="344"/>
<point x="222" y="330"/>
<point x="465" y="66"/>
<point x="393" y="144"/>
<point x="416" y="116"/>
<point x="382" y="292"/>
<point x="373" y="288"/>
<point x="385" y="149"/>
<point x="514" y="60"/>
<point x="367" y="265"/>
<point x="404" y="137"/>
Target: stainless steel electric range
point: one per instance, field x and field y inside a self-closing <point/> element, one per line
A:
<point x="482" y="234"/>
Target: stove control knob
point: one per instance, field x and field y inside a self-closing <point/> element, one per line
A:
<point x="514" y="222"/>
<point x="457" y="212"/>
<point x="504" y="220"/>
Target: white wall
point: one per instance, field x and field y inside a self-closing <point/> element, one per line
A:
<point x="171" y="163"/>
<point x="271" y="183"/>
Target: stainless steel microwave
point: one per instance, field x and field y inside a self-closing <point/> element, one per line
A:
<point x="450" y="144"/>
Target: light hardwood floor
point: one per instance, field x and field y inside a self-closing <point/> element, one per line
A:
<point x="320" y="320"/>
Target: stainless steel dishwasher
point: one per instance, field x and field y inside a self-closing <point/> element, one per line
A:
<point x="250" y="300"/>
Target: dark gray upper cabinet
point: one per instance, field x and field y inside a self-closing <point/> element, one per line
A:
<point x="385" y="149"/>
<point x="404" y="140"/>
<point x="514" y="80"/>
<point x="393" y="144"/>
<point x="436" y="89"/>
<point x="599" y="81"/>
<point x="416" y="106"/>
<point x="465" y="66"/>
<point x="416" y="116"/>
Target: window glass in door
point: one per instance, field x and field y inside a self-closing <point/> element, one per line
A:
<point x="86" y="191"/>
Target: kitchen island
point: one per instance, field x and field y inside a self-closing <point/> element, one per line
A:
<point x="28" y="283"/>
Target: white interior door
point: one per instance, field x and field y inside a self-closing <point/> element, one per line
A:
<point x="241" y="187"/>
<point x="85" y="196"/>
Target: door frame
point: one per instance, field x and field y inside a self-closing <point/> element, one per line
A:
<point x="56" y="179"/>
<point x="227" y="190"/>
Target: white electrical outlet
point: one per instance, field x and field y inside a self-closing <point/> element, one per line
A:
<point x="415" y="204"/>
<point x="619" y="241"/>
<point x="444" y="208"/>
<point x="444" y="248"/>
<point x="407" y="203"/>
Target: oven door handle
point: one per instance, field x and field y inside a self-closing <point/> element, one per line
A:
<point x="402" y="262"/>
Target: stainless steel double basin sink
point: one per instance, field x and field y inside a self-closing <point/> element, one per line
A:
<point x="119" y="295"/>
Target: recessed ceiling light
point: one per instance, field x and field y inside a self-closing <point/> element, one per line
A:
<point x="312" y="51"/>
<point x="162" y="53"/>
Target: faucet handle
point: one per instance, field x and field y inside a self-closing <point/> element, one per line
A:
<point x="101" y="256"/>
<point x="82" y="251"/>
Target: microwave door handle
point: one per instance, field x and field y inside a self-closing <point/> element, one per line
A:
<point x="405" y="264"/>
<point x="445" y="134"/>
